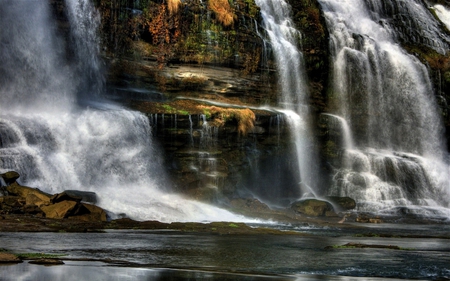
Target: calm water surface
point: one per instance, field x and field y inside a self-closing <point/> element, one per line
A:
<point x="161" y="255"/>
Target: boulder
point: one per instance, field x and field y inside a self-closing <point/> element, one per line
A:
<point x="313" y="207"/>
<point x="60" y="210"/>
<point x="346" y="203"/>
<point x="94" y="213"/>
<point x="64" y="196"/>
<point x="86" y="196"/>
<point x="24" y="191"/>
<point x="10" y="177"/>
<point x="33" y="200"/>
<point x="33" y="210"/>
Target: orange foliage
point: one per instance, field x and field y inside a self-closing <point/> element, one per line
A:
<point x="165" y="30"/>
<point x="223" y="11"/>
<point x="244" y="117"/>
<point x="173" y="5"/>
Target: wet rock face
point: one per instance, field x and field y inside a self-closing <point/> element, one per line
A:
<point x="213" y="162"/>
<point x="345" y="203"/>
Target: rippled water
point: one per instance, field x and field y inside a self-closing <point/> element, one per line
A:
<point x="159" y="255"/>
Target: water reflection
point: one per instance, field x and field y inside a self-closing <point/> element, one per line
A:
<point x="222" y="257"/>
<point x="75" y="271"/>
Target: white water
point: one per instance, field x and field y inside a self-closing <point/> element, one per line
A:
<point x="56" y="146"/>
<point x="284" y="40"/>
<point x="387" y="98"/>
<point x="443" y="15"/>
<point x="346" y="132"/>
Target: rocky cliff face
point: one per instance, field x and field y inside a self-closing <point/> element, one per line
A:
<point x="202" y="70"/>
<point x="203" y="81"/>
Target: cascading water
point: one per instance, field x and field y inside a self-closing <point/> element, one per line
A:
<point x="386" y="96"/>
<point x="443" y="14"/>
<point x="284" y="39"/>
<point x="54" y="144"/>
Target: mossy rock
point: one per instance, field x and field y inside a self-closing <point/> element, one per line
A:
<point x="346" y="203"/>
<point x="313" y="207"/>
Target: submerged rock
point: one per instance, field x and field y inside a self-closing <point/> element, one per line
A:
<point x="368" y="219"/>
<point x="313" y="207"/>
<point x="47" y="262"/>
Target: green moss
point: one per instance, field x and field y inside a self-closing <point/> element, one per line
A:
<point x="233" y="225"/>
<point x="169" y="109"/>
<point x="183" y="112"/>
<point x="253" y="10"/>
<point x="39" y="256"/>
<point x="343" y="247"/>
<point x="207" y="113"/>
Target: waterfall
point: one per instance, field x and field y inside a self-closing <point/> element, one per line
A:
<point x="55" y="144"/>
<point x="347" y="134"/>
<point x="443" y="15"/>
<point x="284" y="39"/>
<point x="386" y="97"/>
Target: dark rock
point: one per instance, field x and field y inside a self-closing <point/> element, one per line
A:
<point x="86" y="196"/>
<point x="88" y="212"/>
<point x="313" y="207"/>
<point x="64" y="196"/>
<point x="10" y="200"/>
<point x="10" y="177"/>
<point x="32" y="210"/>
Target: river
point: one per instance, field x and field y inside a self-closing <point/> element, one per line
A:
<point x="174" y="255"/>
